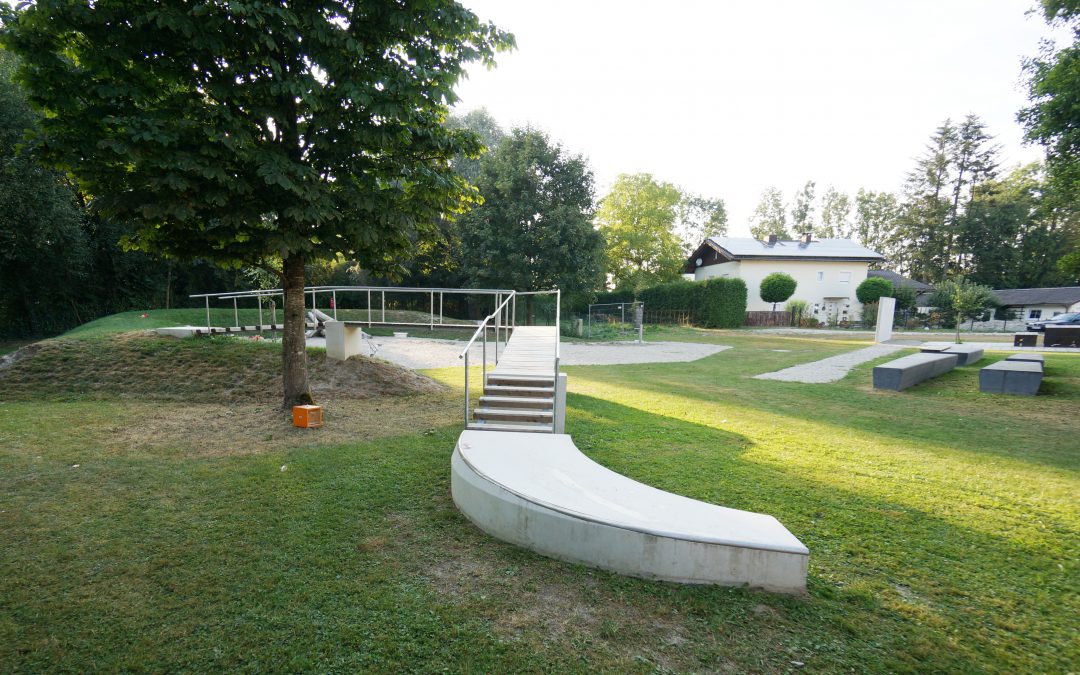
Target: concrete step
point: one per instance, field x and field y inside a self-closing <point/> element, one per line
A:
<point x="513" y="415"/>
<point x="514" y="390"/>
<point x="517" y="402"/>
<point x="481" y="425"/>
<point x="521" y="380"/>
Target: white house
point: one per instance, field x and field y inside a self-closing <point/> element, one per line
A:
<point x="1040" y="303"/>
<point x="827" y="271"/>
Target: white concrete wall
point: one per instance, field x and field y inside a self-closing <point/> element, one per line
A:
<point x="808" y="288"/>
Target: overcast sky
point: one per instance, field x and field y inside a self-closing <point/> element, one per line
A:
<point x="726" y="98"/>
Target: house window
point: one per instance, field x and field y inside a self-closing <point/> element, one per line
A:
<point x="821" y="276"/>
<point x="845" y="277"/>
<point x="1035" y="314"/>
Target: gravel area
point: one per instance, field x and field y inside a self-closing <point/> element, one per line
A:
<point x="831" y="369"/>
<point x="419" y="353"/>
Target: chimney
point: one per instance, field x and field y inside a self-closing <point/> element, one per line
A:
<point x="805" y="238"/>
<point x="772" y="239"/>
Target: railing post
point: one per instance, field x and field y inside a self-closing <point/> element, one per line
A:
<point x="497" y="313"/>
<point x="235" y="314"/>
<point x="208" y="315"/>
<point x="466" y="390"/>
<point x="513" y="312"/>
<point x="382" y="303"/>
<point x="259" y="298"/>
<point x="369" y="308"/>
<point x="441" y="308"/>
<point x="333" y="298"/>
<point x="431" y="311"/>
<point x="483" y="362"/>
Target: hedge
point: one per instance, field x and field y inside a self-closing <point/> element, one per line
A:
<point x="714" y="303"/>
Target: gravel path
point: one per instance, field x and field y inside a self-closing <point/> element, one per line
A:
<point x="831" y="369"/>
<point x="420" y="353"/>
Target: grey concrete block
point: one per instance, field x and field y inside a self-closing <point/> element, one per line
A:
<point x="968" y="354"/>
<point x="1021" y="378"/>
<point x="1034" y="358"/>
<point x="910" y="370"/>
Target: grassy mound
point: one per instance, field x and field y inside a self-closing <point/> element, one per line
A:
<point x="141" y="365"/>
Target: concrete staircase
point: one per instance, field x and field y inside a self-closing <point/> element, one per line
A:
<point x="516" y="403"/>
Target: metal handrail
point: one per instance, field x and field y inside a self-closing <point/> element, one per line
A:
<point x="482" y="329"/>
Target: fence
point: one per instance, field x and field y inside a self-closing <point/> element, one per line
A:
<point x="768" y="318"/>
<point x="667" y="317"/>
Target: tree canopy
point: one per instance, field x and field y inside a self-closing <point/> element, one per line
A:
<point x="777" y="287"/>
<point x="534" y="229"/>
<point x="257" y="132"/>
<point x="637" y="218"/>
<point x="873" y="289"/>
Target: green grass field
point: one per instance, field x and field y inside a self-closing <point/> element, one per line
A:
<point x="179" y="530"/>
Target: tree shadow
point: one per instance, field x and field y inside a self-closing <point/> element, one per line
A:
<point x="882" y="571"/>
<point x="948" y="411"/>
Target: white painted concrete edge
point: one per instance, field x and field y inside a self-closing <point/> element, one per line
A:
<point x="676" y="552"/>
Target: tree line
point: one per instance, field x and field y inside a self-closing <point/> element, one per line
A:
<point x="959" y="215"/>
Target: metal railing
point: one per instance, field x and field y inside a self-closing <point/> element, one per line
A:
<point x="498" y="320"/>
<point x="435" y="295"/>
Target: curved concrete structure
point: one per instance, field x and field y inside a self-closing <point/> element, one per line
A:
<point x="540" y="492"/>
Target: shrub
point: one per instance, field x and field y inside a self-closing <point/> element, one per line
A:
<point x="798" y="311"/>
<point x="873" y="289"/>
<point x="721" y="303"/>
<point x="869" y="314"/>
<point x="671" y="295"/>
<point x="777" y="287"/>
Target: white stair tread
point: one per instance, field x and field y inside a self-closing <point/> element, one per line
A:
<point x="510" y="426"/>
<point x="512" y="412"/>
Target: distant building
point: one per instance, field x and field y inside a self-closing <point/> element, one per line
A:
<point x="827" y="271"/>
<point x="1039" y="303"/>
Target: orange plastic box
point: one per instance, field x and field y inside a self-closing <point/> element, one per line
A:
<point x="307" y="416"/>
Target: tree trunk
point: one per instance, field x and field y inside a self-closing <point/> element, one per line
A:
<point x="293" y="342"/>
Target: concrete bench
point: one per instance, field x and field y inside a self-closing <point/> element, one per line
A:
<point x="1025" y="339"/>
<point x="1061" y="336"/>
<point x="908" y="371"/>
<point x="1033" y="358"/>
<point x="968" y="354"/>
<point x="540" y="492"/>
<point x="1022" y="378"/>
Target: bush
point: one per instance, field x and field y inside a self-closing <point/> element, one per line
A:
<point x="869" y="314"/>
<point x="798" y="311"/>
<point x="672" y="295"/>
<point x="714" y="303"/>
<point x="777" y="287"/>
<point x="873" y="289"/>
<point x="721" y="303"/>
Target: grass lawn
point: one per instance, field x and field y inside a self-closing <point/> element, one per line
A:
<point x="159" y="530"/>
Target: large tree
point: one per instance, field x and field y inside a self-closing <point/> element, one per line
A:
<point x="534" y="230"/>
<point x="258" y="132"/>
<point x="637" y="219"/>
<point x="770" y="216"/>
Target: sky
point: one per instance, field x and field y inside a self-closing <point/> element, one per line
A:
<point x="727" y="98"/>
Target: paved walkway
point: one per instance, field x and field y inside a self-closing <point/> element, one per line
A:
<point x="831" y="369"/>
<point x="422" y="353"/>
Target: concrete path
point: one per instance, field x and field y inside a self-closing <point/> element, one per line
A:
<point x="831" y="369"/>
<point x="422" y="353"/>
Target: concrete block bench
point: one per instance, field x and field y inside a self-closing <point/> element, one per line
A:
<point x="540" y="492"/>
<point x="1033" y="358"/>
<point x="968" y="354"/>
<point x="1022" y="378"/>
<point x="908" y="371"/>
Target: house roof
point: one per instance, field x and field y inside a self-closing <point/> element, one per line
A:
<point x="748" y="248"/>
<point x="1013" y="297"/>
<point x="900" y="280"/>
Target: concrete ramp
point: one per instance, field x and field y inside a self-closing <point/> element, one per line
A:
<point x="540" y="492"/>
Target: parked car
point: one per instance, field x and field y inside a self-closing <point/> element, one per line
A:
<point x="1070" y="319"/>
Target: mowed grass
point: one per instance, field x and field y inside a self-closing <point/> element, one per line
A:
<point x="943" y="527"/>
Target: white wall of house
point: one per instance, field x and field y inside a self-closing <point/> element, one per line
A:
<point x="1044" y="311"/>
<point x="828" y="287"/>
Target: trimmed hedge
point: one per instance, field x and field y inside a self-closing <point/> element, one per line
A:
<point x="713" y="303"/>
<point x="721" y="303"/>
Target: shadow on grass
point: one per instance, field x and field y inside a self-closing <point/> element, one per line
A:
<point x="947" y="411"/>
<point x="881" y="571"/>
